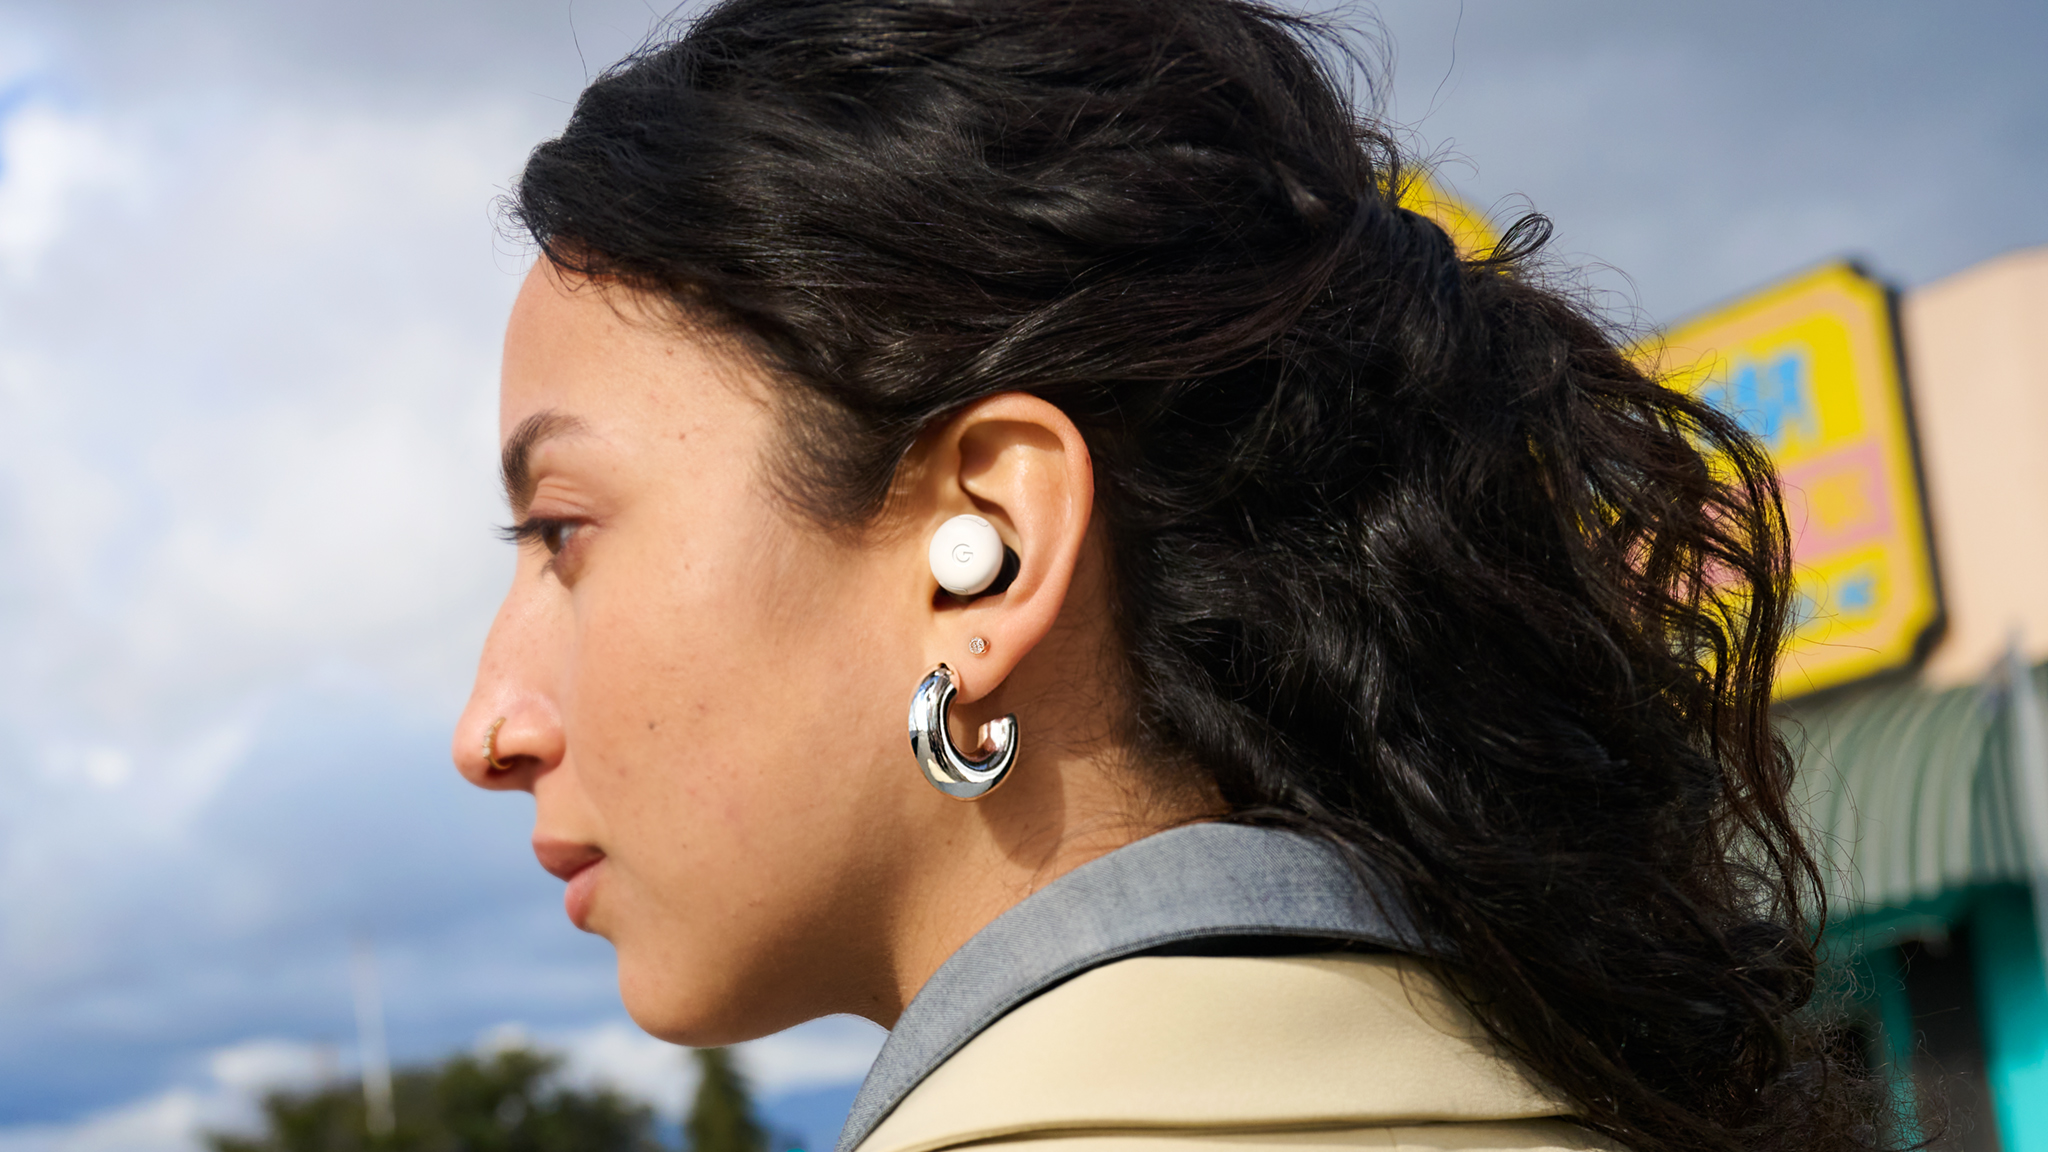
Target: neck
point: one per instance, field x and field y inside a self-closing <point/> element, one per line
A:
<point x="1052" y="819"/>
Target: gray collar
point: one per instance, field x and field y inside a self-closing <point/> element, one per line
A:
<point x="1197" y="882"/>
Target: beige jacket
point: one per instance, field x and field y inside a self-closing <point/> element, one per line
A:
<point x="1233" y="1054"/>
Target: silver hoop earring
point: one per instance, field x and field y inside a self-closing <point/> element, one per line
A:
<point x="949" y="771"/>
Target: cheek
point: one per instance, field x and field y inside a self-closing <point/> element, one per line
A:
<point x="673" y="703"/>
<point x="740" y="739"/>
<point x="727" y="726"/>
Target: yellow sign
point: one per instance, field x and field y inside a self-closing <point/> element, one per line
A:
<point x="1810" y="367"/>
<point x="1469" y="229"/>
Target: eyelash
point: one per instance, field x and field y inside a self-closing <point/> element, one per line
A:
<point x="548" y="533"/>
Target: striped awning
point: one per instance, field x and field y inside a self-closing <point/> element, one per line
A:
<point x="1910" y="791"/>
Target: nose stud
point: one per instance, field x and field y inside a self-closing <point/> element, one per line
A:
<point x="491" y="746"/>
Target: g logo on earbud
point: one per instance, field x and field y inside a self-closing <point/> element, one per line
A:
<point x="966" y="554"/>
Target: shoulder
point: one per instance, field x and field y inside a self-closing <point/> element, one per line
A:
<point x="1478" y="1136"/>
<point x="1230" y="1053"/>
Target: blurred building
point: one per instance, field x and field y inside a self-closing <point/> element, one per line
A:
<point x="1928" y="783"/>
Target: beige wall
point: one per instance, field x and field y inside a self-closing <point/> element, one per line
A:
<point x="1977" y="358"/>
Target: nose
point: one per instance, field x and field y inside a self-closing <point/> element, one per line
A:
<point x="510" y="732"/>
<point x="519" y="743"/>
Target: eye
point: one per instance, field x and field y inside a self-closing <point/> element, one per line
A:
<point x="553" y="535"/>
<point x="556" y="534"/>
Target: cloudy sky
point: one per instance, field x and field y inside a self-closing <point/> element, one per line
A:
<point x="251" y="294"/>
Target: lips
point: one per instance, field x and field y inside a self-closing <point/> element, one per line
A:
<point x="579" y="865"/>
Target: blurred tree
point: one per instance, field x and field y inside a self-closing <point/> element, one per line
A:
<point x="722" y="1116"/>
<point x="500" y="1104"/>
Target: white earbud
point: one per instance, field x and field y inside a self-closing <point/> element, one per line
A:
<point x="966" y="555"/>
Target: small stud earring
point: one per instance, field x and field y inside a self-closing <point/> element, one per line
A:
<point x="977" y="645"/>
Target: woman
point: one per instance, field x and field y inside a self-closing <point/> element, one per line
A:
<point x="1389" y="657"/>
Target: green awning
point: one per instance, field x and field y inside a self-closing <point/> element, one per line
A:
<point x="1910" y="791"/>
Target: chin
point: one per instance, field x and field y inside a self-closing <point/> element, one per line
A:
<point x="666" y="1002"/>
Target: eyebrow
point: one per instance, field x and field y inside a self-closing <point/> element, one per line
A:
<point x="515" y="462"/>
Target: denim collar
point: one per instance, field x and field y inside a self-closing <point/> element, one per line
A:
<point x="1192" y="884"/>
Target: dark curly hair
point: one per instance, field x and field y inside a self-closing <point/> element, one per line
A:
<point x="1407" y="551"/>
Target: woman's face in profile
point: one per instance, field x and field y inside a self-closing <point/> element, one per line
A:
<point x="693" y="683"/>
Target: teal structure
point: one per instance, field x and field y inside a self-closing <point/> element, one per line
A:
<point x="1916" y="801"/>
<point x="2014" y="988"/>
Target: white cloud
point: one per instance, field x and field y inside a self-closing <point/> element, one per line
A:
<point x="619" y="1056"/>
<point x="164" y="1122"/>
<point x="101" y="765"/>
<point x="835" y="1050"/>
<point x="175" y="1120"/>
<point x="254" y="1067"/>
<point x="51" y="160"/>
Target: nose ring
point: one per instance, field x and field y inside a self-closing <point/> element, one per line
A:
<point x="491" y="746"/>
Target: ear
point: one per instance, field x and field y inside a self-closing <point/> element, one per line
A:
<point x="1019" y="463"/>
